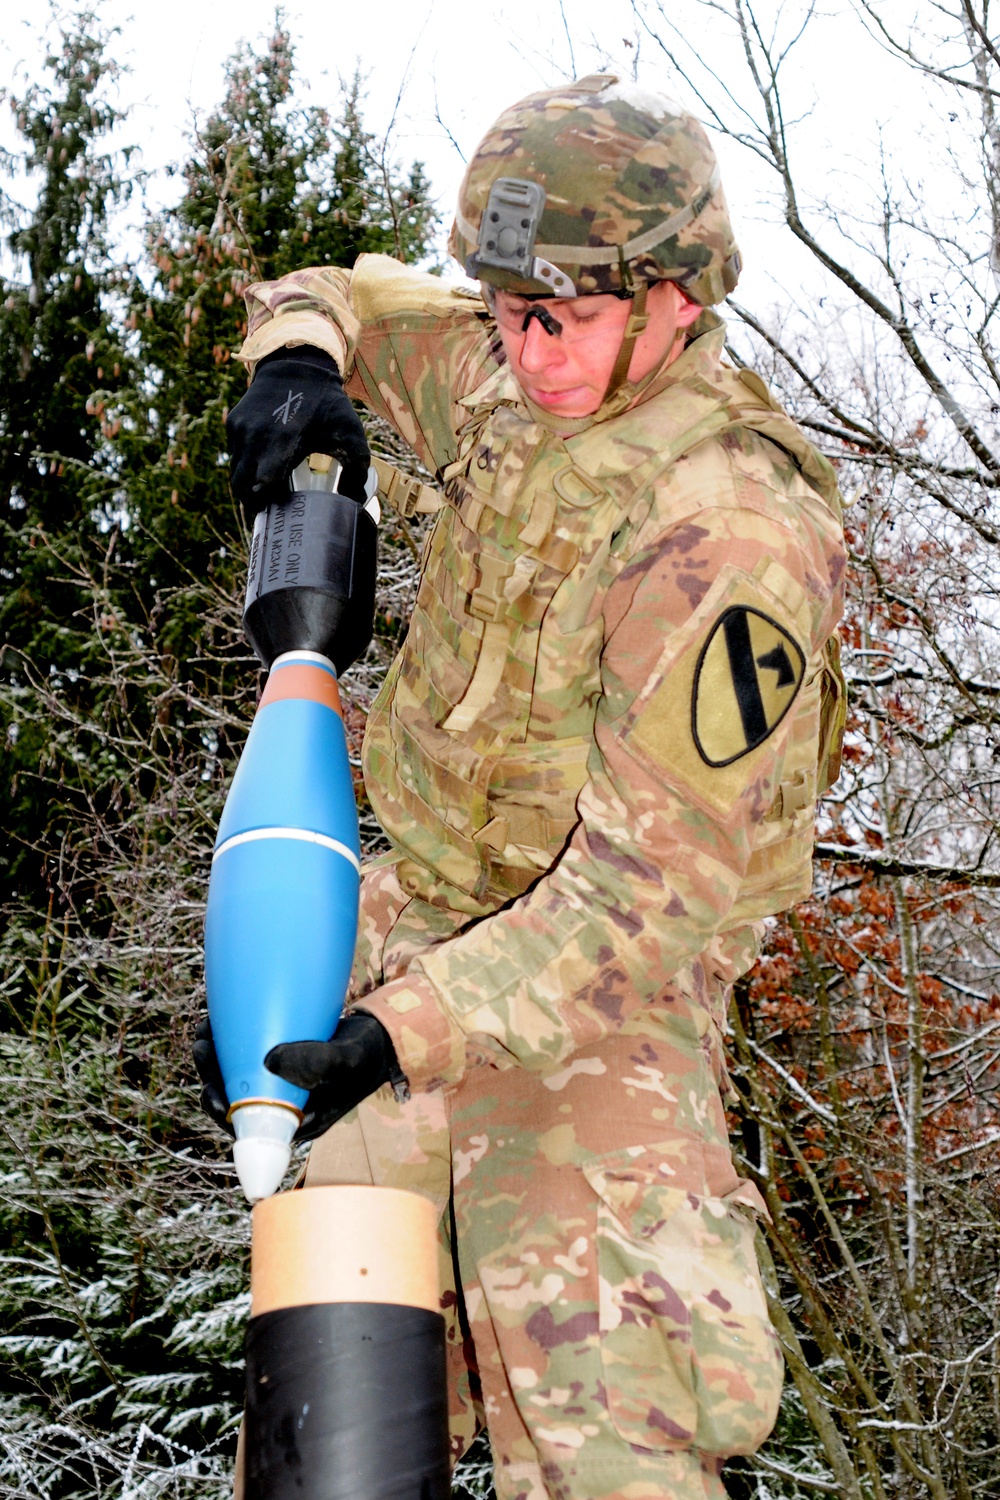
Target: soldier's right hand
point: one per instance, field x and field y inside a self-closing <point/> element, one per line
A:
<point x="296" y="405"/>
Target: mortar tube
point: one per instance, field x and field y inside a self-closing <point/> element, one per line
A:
<point x="345" y="1350"/>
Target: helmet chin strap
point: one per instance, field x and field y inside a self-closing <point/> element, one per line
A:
<point x="638" y="319"/>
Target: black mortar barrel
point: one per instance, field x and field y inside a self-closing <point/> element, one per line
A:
<point x="345" y="1350"/>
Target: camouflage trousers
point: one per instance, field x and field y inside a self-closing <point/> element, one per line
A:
<point x="604" y="1310"/>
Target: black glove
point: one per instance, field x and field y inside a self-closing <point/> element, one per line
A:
<point x="213" y="1093"/>
<point x="339" y="1073"/>
<point x="296" y="405"/>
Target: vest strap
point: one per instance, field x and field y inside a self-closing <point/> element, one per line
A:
<point x="485" y="679"/>
<point x="406" y="495"/>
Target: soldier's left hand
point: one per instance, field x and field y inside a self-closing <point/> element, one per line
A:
<point x="358" y="1059"/>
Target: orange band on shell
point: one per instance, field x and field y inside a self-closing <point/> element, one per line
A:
<point x="301" y="680"/>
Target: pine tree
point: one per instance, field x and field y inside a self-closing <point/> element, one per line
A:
<point x="54" y="323"/>
<point x="271" y="186"/>
<point x="56" y="336"/>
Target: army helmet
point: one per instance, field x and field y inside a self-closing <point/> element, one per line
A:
<point x="595" y="186"/>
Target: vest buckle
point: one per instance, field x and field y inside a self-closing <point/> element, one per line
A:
<point x="793" y="796"/>
<point x="488" y="601"/>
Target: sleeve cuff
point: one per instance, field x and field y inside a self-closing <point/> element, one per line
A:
<point x="429" y="1046"/>
<point x="295" y="328"/>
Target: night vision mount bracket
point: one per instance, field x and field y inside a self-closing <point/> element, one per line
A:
<point x="507" y="236"/>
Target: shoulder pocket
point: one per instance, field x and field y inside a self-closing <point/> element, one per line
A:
<point x="690" y="1358"/>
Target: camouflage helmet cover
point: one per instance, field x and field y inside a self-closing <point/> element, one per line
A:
<point x="631" y="192"/>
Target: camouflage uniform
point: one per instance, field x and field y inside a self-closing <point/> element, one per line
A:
<point x="597" y="757"/>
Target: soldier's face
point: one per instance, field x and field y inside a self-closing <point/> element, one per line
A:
<point x="567" y="373"/>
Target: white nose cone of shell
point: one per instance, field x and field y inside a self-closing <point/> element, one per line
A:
<point x="263" y="1147"/>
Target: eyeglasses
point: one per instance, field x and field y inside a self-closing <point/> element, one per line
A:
<point x="578" y="321"/>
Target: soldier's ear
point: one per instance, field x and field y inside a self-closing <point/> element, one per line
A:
<point x="665" y="299"/>
<point x="686" y="312"/>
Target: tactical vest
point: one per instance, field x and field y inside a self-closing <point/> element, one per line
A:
<point x="478" y="743"/>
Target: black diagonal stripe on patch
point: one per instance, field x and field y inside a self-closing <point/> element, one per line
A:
<point x="741" y="664"/>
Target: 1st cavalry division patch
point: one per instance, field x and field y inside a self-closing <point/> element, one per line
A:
<point x="745" y="682"/>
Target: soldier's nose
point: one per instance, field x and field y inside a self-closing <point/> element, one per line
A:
<point x="539" y="350"/>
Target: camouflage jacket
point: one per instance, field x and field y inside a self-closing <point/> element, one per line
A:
<point x="602" y="737"/>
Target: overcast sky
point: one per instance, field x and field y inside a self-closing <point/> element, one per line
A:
<point x="466" y="59"/>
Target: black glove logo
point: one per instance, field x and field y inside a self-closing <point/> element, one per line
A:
<point x="288" y="408"/>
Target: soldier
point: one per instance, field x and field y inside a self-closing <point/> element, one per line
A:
<point x="597" y="757"/>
